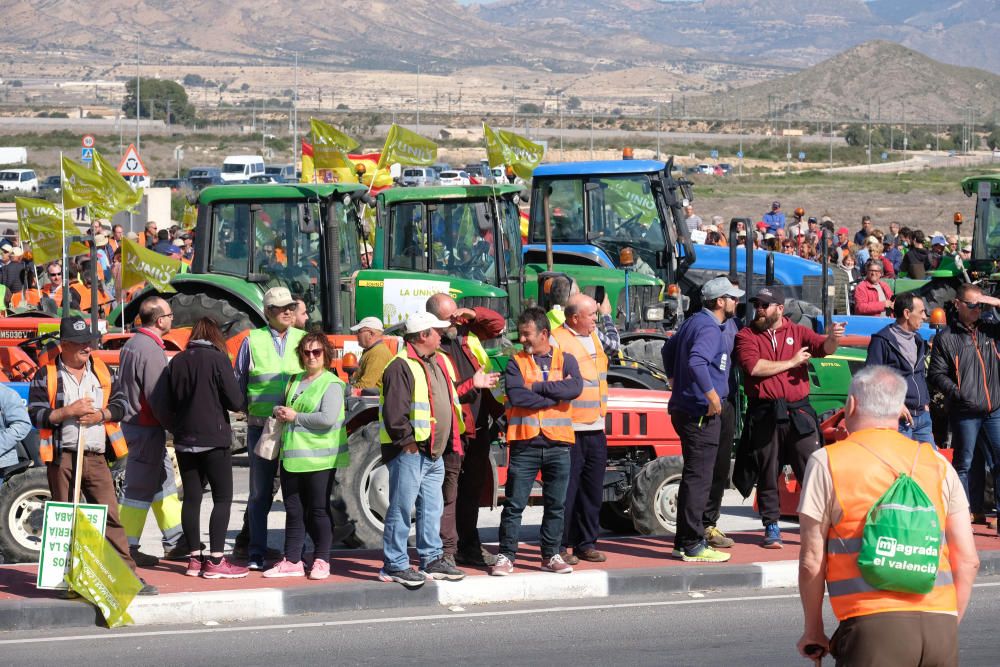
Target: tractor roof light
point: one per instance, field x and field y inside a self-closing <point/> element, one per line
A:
<point x="626" y="257"/>
<point x="938" y="318"/>
<point x="349" y="362"/>
<point x="628" y="153"/>
<point x="958" y="219"/>
<point x="673" y="290"/>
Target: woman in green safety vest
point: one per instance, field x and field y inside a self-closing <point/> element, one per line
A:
<point x="313" y="445"/>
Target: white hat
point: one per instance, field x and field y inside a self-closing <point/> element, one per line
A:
<point x="416" y="322"/>
<point x="17" y="251"/>
<point x="279" y="297"/>
<point x="369" y="323"/>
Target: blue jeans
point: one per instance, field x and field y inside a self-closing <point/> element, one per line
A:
<point x="414" y="479"/>
<point x="525" y="464"/>
<point x="920" y="430"/>
<point x="966" y="432"/>
<point x="262" y="474"/>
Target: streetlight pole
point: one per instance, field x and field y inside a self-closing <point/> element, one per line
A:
<point x="138" y="106"/>
<point x="295" y="117"/>
<point x="657" y="130"/>
<point x="418" y="98"/>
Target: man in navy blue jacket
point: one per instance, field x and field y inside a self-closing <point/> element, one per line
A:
<point x="900" y="346"/>
<point x="698" y="358"/>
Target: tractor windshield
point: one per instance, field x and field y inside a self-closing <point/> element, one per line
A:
<point x="986" y="238"/>
<point x="265" y="242"/>
<point x="607" y="211"/>
<point x="447" y="238"/>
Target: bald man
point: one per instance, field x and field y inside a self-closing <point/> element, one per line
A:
<point x="589" y="455"/>
<point x="467" y="471"/>
<point x="149" y="476"/>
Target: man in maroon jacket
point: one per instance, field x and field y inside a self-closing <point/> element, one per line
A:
<point x="781" y="427"/>
<point x="466" y="472"/>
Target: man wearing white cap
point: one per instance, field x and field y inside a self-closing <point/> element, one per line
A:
<point x="421" y="417"/>
<point x="376" y="354"/>
<point x="264" y="363"/>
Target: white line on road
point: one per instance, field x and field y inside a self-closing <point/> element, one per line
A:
<point x="403" y="619"/>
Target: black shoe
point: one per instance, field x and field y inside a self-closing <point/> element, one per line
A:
<point x="408" y="577"/>
<point x="479" y="558"/>
<point x="143" y="559"/>
<point x="180" y="552"/>
<point x="147" y="589"/>
<point x="441" y="569"/>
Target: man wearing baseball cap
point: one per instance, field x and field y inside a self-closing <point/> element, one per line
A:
<point x="698" y="359"/>
<point x="781" y="427"/>
<point x="264" y="363"/>
<point x="421" y="418"/>
<point x="775" y="218"/>
<point x="375" y="355"/>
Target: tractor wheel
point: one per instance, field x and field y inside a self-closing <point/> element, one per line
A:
<point x="361" y="491"/>
<point x="654" y="496"/>
<point x="189" y="308"/>
<point x="802" y="312"/>
<point x="22" y="511"/>
<point x="615" y="516"/>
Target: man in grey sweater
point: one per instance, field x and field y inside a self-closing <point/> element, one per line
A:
<point x="149" y="476"/>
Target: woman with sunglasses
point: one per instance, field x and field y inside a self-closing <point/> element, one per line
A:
<point x="313" y="445"/>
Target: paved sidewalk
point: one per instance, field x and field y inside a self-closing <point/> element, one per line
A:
<point x="634" y="565"/>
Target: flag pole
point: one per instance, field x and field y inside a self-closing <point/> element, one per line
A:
<point x="65" y="248"/>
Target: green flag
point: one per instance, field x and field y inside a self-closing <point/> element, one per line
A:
<point x="140" y="264"/>
<point x="124" y="197"/>
<point x="81" y="186"/>
<point x="190" y="218"/>
<point x="42" y="224"/>
<point x="503" y="148"/>
<point x="100" y="575"/>
<point x="631" y="201"/>
<point x="330" y="146"/>
<point x="406" y="147"/>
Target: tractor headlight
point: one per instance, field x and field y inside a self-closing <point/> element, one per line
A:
<point x="654" y="313"/>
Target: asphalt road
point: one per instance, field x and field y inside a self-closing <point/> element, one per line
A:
<point x="716" y="629"/>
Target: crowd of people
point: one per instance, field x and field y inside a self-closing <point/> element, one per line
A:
<point x="867" y="256"/>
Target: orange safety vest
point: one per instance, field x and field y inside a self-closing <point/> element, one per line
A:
<point x="592" y="403"/>
<point x="860" y="479"/>
<point x="113" y="430"/>
<point x="103" y="300"/>
<point x="555" y="422"/>
<point x="31" y="296"/>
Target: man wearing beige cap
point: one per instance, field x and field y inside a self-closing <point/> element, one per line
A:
<point x="376" y="355"/>
<point x="264" y="363"/>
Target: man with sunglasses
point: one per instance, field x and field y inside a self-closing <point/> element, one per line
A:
<point x="697" y="359"/>
<point x="54" y="288"/>
<point x="781" y="427"/>
<point x="149" y="476"/>
<point x="965" y="367"/>
<point x="264" y="363"/>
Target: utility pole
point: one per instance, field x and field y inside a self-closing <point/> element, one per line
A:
<point x="418" y="98"/>
<point x="138" y="106"/>
<point x="295" y="117"/>
<point x="591" y="135"/>
<point x="657" y="130"/>
<point x="869" y="134"/>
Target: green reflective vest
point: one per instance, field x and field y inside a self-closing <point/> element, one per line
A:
<point x="479" y="352"/>
<point x="420" y="406"/>
<point x="556" y="317"/>
<point x="270" y="373"/>
<point x="305" y="449"/>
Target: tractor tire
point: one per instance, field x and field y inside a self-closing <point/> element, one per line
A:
<point x="653" y="504"/>
<point x="645" y="351"/>
<point x="22" y="513"/>
<point x="615" y="516"/>
<point x="360" y="493"/>
<point x="802" y="312"/>
<point x="189" y="308"/>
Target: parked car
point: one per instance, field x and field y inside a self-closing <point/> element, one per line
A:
<point x="264" y="179"/>
<point x="25" y="180"/>
<point x="282" y="173"/>
<point x="239" y="168"/>
<point x="475" y="169"/>
<point x="706" y="169"/>
<point x="176" y="185"/>
<point x="202" y="177"/>
<point x="418" y="176"/>
<point x="726" y="168"/>
<point x="138" y="181"/>
<point x="50" y="184"/>
<point x="454" y="178"/>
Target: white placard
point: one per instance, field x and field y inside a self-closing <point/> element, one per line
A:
<point x="698" y="236"/>
<point x="402" y="297"/>
<point x="57" y="532"/>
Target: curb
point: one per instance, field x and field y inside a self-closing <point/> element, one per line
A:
<point x="261" y="603"/>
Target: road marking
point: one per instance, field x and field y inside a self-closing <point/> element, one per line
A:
<point x="403" y="619"/>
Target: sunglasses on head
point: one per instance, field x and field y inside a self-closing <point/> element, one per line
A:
<point x="318" y="352"/>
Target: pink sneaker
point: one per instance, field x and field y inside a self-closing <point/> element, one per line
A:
<point x="224" y="570"/>
<point x="194" y="566"/>
<point x="286" y="569"/>
<point x="319" y="570"/>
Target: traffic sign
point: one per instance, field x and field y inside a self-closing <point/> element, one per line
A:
<point x="131" y="164"/>
<point x="802" y="155"/>
<point x="715" y="155"/>
<point x="87" y="141"/>
<point x="86" y="154"/>
<point x="885" y="156"/>
<point x="739" y="154"/>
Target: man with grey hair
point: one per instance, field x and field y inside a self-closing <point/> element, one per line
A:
<point x="842" y="482"/>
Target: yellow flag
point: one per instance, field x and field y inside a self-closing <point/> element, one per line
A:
<point x="41" y="224"/>
<point x="503" y="148"/>
<point x="406" y="147"/>
<point x="140" y="264"/>
<point x="308" y="168"/>
<point x="123" y="197"/>
<point x="330" y="146"/>
<point x="190" y="218"/>
<point x="81" y="185"/>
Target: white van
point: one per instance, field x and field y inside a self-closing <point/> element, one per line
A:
<point x="239" y="168"/>
<point x="24" y="180"/>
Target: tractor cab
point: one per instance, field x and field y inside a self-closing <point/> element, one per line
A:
<point x="986" y="226"/>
